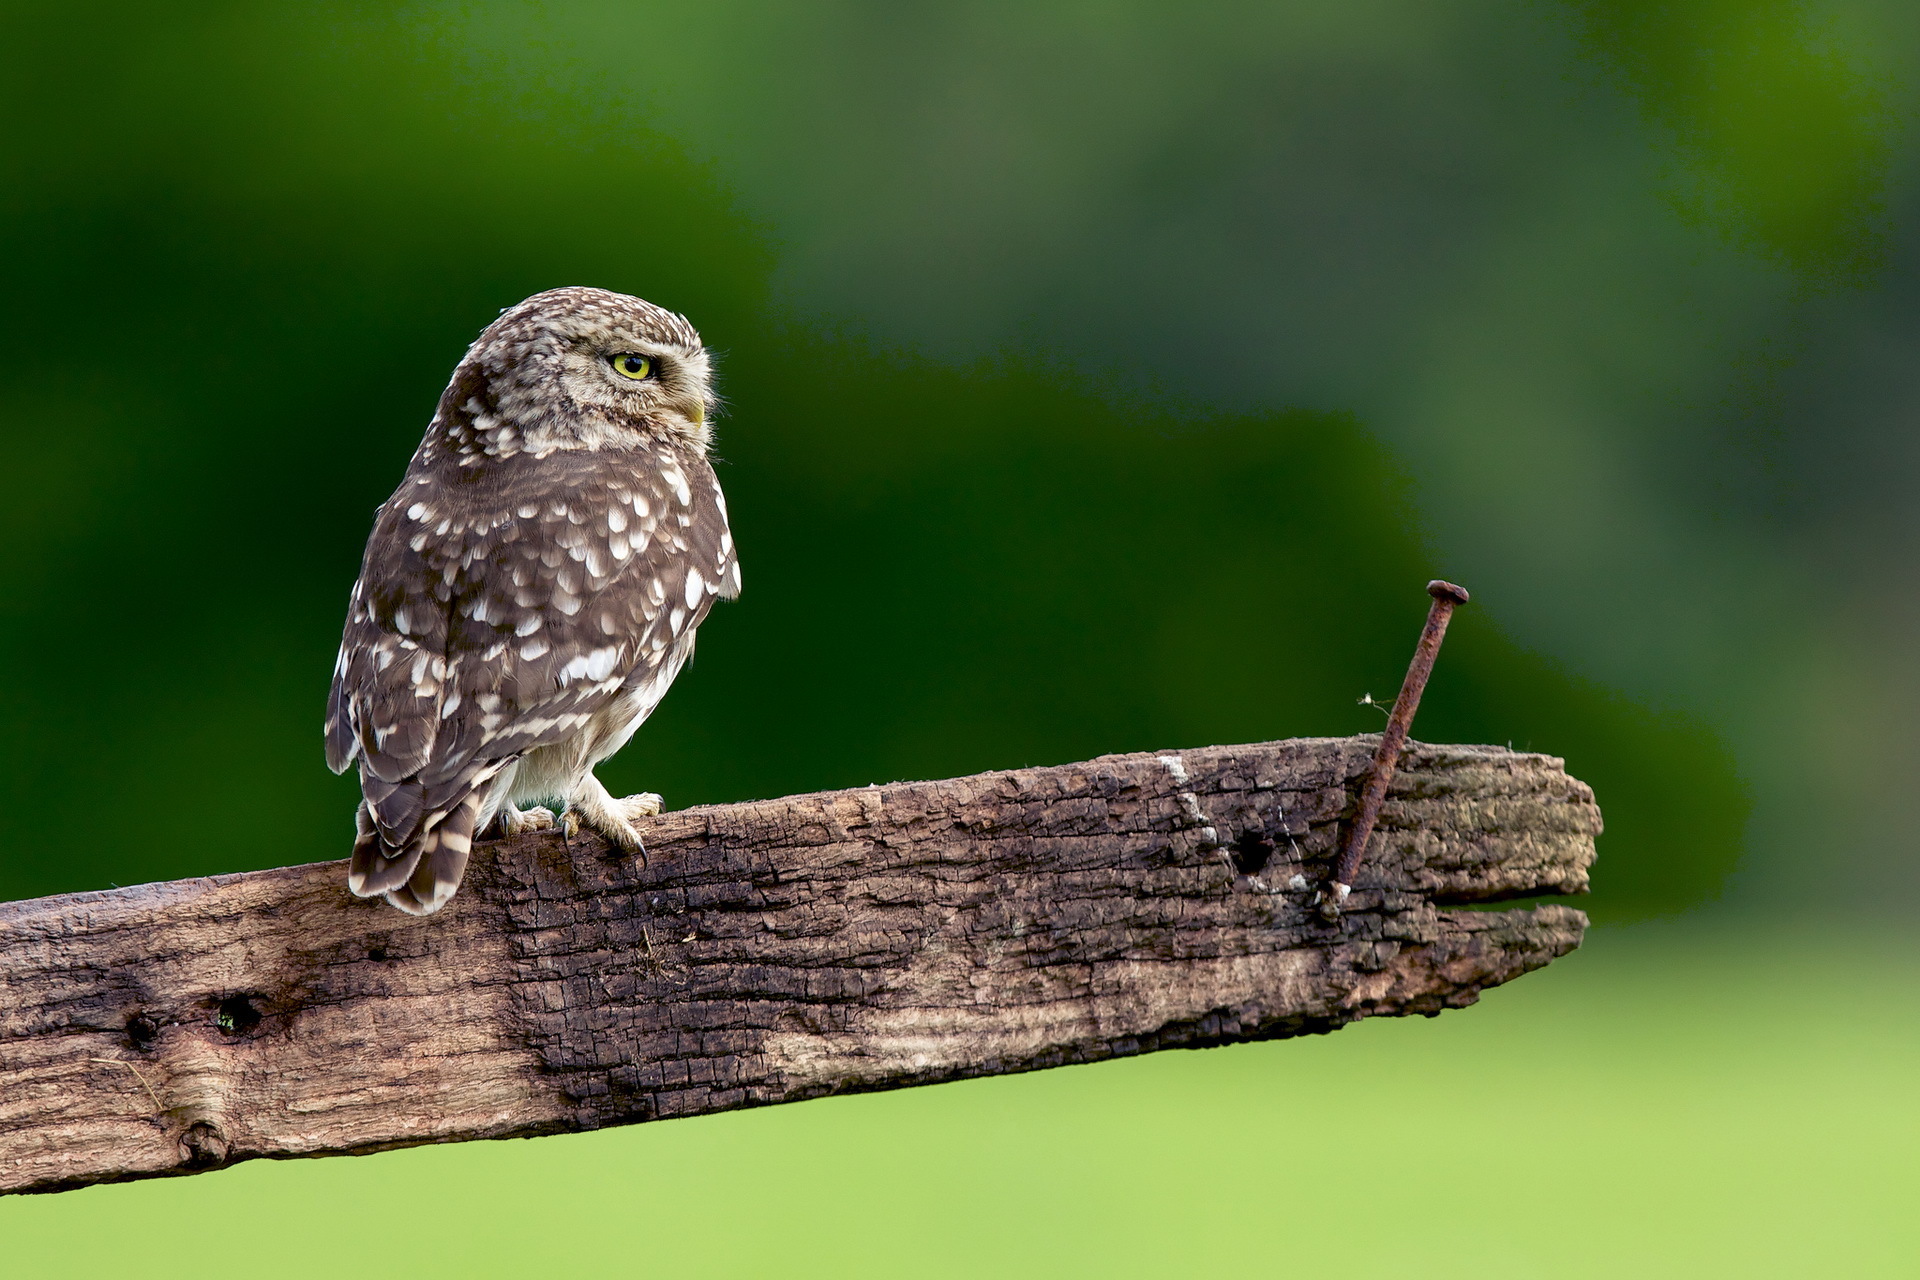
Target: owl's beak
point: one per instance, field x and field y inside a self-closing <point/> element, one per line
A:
<point x="697" y="410"/>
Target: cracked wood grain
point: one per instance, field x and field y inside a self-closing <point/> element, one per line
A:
<point x="773" y="951"/>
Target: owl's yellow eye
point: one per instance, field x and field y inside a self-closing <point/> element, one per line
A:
<point x="632" y="365"/>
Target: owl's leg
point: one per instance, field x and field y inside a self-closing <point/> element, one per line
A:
<point x="612" y="818"/>
<point x="514" y="821"/>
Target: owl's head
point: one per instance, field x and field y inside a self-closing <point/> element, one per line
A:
<point x="584" y="367"/>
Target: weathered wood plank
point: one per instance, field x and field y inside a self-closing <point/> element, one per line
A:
<point x="772" y="951"/>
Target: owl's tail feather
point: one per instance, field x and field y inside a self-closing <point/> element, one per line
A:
<point x="422" y="875"/>
<point x="377" y="866"/>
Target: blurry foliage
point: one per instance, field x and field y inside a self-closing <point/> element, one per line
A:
<point x="1783" y="120"/>
<point x="1096" y="382"/>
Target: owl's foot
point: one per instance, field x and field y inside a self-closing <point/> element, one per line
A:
<point x="612" y="818"/>
<point x="514" y="822"/>
<point x="645" y="805"/>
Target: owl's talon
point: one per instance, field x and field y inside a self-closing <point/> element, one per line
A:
<point x="515" y="822"/>
<point x="613" y="818"/>
<point x="620" y="832"/>
<point x="570" y="824"/>
<point x="645" y="805"/>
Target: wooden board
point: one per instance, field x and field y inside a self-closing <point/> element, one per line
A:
<point x="773" y="951"/>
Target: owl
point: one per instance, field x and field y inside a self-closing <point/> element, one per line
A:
<point x="530" y="590"/>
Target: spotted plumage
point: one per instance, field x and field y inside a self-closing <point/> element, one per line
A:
<point x="530" y="590"/>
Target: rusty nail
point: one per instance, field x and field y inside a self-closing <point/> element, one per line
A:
<point x="1387" y="757"/>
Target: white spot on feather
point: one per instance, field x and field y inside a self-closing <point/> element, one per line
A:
<point x="695" y="585"/>
<point x="595" y="666"/>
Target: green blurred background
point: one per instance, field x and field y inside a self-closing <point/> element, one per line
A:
<point x="1101" y="377"/>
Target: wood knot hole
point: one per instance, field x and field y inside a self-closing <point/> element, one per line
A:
<point x="1251" y="853"/>
<point x="142" y="1031"/>
<point x="203" y="1145"/>
<point x="236" y="1016"/>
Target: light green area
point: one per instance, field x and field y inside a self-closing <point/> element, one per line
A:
<point x="1670" y="1101"/>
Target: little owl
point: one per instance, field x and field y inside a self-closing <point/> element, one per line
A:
<point x="530" y="590"/>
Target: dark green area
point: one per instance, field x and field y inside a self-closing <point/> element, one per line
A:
<point x="243" y="251"/>
<point x="949" y="571"/>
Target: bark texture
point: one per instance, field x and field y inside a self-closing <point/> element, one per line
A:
<point x="772" y="951"/>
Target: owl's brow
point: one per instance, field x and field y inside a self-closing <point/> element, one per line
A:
<point x="614" y="344"/>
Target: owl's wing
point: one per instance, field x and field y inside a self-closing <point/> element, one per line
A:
<point x="497" y="612"/>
